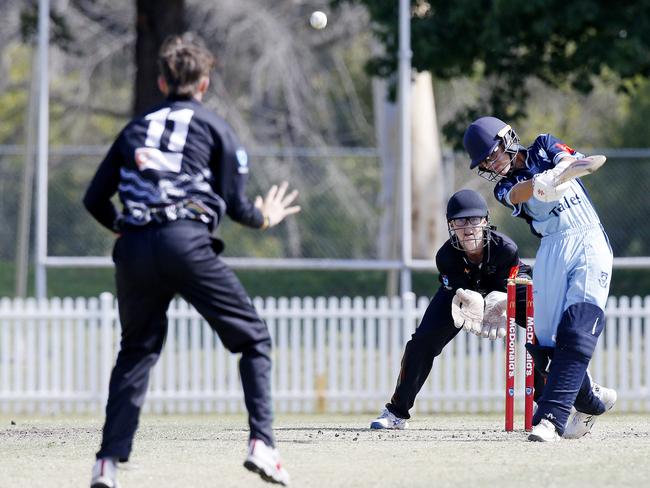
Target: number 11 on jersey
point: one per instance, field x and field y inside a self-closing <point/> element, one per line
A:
<point x="152" y="156"/>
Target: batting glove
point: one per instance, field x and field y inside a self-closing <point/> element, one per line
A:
<point x="544" y="188"/>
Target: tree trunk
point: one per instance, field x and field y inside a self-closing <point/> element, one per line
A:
<point x="155" y="20"/>
<point x="429" y="195"/>
<point x="387" y="135"/>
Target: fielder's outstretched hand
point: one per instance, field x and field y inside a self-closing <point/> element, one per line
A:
<point x="275" y="206"/>
<point x="494" y="318"/>
<point x="467" y="310"/>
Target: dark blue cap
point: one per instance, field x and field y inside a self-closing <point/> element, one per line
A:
<point x="466" y="203"/>
<point x="481" y="137"/>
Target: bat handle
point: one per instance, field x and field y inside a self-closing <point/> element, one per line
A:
<point x="564" y="164"/>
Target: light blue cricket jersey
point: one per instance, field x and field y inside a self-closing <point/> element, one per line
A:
<point x="573" y="210"/>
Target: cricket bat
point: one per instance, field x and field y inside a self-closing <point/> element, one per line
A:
<point x="578" y="168"/>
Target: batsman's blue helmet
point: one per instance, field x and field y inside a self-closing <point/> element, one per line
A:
<point x="482" y="137"/>
<point x="466" y="203"/>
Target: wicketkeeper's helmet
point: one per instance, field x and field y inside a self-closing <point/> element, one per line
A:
<point x="468" y="204"/>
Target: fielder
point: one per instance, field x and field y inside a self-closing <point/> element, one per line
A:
<point x="474" y="266"/>
<point x="572" y="271"/>
<point x="179" y="169"/>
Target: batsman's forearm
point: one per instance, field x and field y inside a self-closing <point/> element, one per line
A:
<point x="521" y="192"/>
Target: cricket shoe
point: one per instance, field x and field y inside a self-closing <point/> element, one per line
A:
<point x="265" y="461"/>
<point x="545" y="431"/>
<point x="104" y="473"/>
<point x="388" y="420"/>
<point x="579" y="423"/>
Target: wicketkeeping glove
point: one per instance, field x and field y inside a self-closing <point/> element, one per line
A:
<point x="544" y="188"/>
<point x="467" y="310"/>
<point x="494" y="318"/>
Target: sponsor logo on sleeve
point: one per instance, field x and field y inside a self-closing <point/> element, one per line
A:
<point x="565" y="148"/>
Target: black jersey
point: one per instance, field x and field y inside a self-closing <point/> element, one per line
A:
<point x="179" y="160"/>
<point x="500" y="256"/>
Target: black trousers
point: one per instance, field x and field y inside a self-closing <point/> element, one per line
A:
<point x="153" y="264"/>
<point x="435" y="331"/>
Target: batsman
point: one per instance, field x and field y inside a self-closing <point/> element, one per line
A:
<point x="573" y="266"/>
<point x="474" y="265"/>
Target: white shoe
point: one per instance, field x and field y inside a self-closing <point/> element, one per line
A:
<point x="265" y="461"/>
<point x="104" y="473"/>
<point x="579" y="423"/>
<point x="388" y="420"/>
<point x="545" y="431"/>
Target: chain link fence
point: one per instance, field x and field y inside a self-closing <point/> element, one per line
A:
<point x="11" y="175"/>
<point x="338" y="187"/>
<point x="339" y="195"/>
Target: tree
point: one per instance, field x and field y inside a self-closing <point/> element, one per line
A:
<point x="511" y="41"/>
<point x="278" y="82"/>
<point x="155" y="20"/>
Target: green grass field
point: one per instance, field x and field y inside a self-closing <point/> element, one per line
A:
<point x="328" y="451"/>
<point x="91" y="282"/>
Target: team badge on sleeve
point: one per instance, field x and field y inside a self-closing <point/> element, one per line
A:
<point x="445" y="282"/>
<point x="604" y="277"/>
<point x="242" y="161"/>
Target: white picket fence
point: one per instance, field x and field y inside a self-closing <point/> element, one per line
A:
<point x="330" y="355"/>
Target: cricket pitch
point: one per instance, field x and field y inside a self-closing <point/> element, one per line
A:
<point x="207" y="450"/>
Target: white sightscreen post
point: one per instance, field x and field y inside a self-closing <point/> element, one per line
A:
<point x="43" y="121"/>
<point x="404" y="93"/>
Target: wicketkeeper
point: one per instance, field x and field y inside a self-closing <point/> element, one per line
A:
<point x="474" y="266"/>
<point x="179" y="169"/>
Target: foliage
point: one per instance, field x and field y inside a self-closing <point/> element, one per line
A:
<point x="280" y="83"/>
<point x="508" y="42"/>
<point x="634" y="130"/>
<point x="60" y="32"/>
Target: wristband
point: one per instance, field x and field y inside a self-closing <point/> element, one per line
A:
<point x="267" y="223"/>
